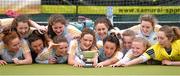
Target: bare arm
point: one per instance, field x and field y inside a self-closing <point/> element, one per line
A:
<point x="134" y="61"/>
<point x="6" y="21"/>
<point x="107" y="62"/>
<point x="27" y="60"/>
<point x="168" y="62"/>
<point x="34" y="24"/>
<point x="71" y="56"/>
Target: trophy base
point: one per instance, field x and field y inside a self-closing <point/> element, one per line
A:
<point x="88" y="66"/>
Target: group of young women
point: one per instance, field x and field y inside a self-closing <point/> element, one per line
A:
<point x="23" y="41"/>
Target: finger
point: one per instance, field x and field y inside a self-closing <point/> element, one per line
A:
<point x="75" y="65"/>
<point x="80" y="65"/>
<point x="101" y="66"/>
<point x="4" y="62"/>
<point x="1" y="63"/>
<point x="113" y="65"/>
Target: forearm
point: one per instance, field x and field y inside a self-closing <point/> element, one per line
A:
<point x="109" y="62"/>
<point x="27" y="60"/>
<point x="175" y="63"/>
<point x="168" y="62"/>
<point x="34" y="24"/>
<point x="71" y="60"/>
<point x="6" y="21"/>
<point x="134" y="61"/>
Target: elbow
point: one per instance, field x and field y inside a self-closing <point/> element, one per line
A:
<point x="29" y="61"/>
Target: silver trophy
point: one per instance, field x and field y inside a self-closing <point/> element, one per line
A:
<point x="88" y="58"/>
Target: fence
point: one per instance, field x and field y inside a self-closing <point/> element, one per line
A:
<point x="125" y="12"/>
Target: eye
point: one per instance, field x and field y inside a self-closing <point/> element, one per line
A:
<point x="112" y="48"/>
<point x="99" y="29"/>
<point x="103" y="28"/>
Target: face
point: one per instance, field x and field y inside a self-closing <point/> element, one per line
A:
<point x="62" y="48"/>
<point x="14" y="44"/>
<point x="109" y="48"/>
<point x="138" y="48"/>
<point x="127" y="42"/>
<point x="22" y="28"/>
<point x="58" y="28"/>
<point x="86" y="41"/>
<point x="102" y="30"/>
<point x="162" y="39"/>
<point x="37" y="45"/>
<point x="146" y="27"/>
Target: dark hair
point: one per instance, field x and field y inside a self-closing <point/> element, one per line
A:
<point x="35" y="35"/>
<point x="104" y="20"/>
<point x="113" y="39"/>
<point x="55" y="19"/>
<point x="171" y="32"/>
<point x="89" y="31"/>
<point x="20" y="18"/>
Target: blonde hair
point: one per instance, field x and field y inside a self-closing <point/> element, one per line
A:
<point x="142" y="40"/>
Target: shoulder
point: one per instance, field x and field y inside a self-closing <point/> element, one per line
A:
<point x="154" y="48"/>
<point x="176" y="43"/>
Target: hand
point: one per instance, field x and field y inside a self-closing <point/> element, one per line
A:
<point x="2" y="62"/>
<point x="16" y="60"/>
<point x="99" y="65"/>
<point x="116" y="64"/>
<point x="42" y="28"/>
<point x="52" y="60"/>
<point x="77" y="37"/>
<point x="51" y="44"/>
<point x="42" y="31"/>
<point x="166" y="62"/>
<point x="77" y="65"/>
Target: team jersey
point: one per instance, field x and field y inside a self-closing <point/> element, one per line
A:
<point x="157" y="52"/>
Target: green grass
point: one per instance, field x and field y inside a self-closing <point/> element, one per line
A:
<point x="62" y="69"/>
